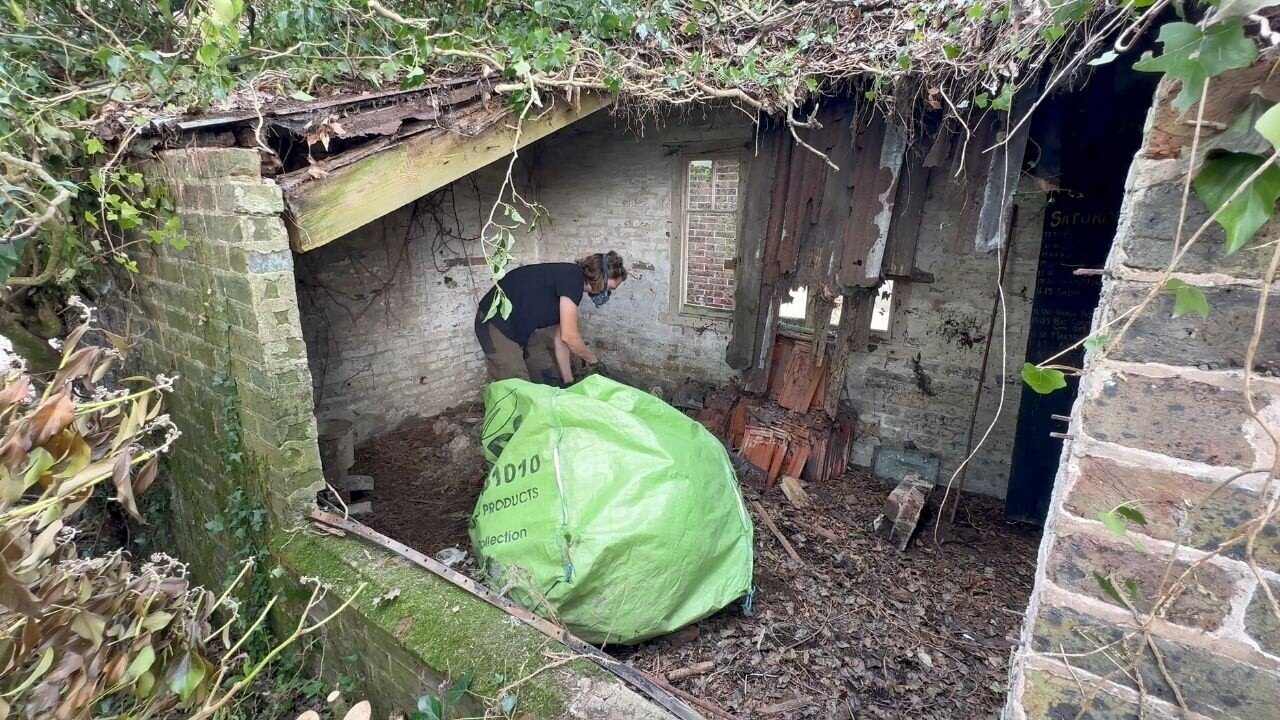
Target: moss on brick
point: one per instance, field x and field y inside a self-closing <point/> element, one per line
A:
<point x="475" y="639"/>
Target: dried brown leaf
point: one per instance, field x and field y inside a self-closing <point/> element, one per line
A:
<point x="15" y="595"/>
<point x="77" y="366"/>
<point x="52" y="417"/>
<point x="15" y="392"/>
<point x="146" y="476"/>
<point x="121" y="478"/>
<point x="403" y="627"/>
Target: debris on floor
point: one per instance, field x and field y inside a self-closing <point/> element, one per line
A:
<point x="842" y="623"/>
<point x="858" y="629"/>
<point x="427" y="474"/>
<point x="788" y="432"/>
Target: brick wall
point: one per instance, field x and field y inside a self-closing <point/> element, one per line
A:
<point x="1162" y="421"/>
<point x="222" y="315"/>
<point x="711" y="231"/>
<point x="914" y="386"/>
<point x="608" y="188"/>
<point x="388" y="310"/>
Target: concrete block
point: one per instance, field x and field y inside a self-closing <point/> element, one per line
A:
<point x="894" y="464"/>
<point x="359" y="483"/>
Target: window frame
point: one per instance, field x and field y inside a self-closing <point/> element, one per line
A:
<point x="683" y="155"/>
<point x="806" y="324"/>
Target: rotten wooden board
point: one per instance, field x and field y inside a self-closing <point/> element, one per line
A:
<point x="324" y="209"/>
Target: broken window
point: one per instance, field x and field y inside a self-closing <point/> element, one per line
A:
<point x="709" y="241"/>
<point x="796" y="310"/>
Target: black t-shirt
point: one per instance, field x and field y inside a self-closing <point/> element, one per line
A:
<point x="535" y="292"/>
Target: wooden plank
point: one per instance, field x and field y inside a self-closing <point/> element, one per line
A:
<point x="854" y="330"/>
<point x="892" y="150"/>
<point x="965" y="199"/>
<point x="1002" y="182"/>
<point x="800" y="374"/>
<point x="908" y="214"/>
<point x="870" y="182"/>
<point x="752" y="233"/>
<point x="327" y="208"/>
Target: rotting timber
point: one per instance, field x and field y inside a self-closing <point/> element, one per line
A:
<point x="838" y="208"/>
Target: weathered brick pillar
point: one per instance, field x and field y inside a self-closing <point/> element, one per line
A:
<point x="1162" y="422"/>
<point x="223" y="315"/>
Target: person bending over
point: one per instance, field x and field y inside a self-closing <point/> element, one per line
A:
<point x="536" y="341"/>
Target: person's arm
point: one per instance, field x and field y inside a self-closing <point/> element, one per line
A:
<point x="562" y="360"/>
<point x="569" y="331"/>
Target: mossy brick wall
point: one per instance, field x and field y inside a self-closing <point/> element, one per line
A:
<point x="389" y="646"/>
<point x="1162" y="420"/>
<point x="222" y="315"/>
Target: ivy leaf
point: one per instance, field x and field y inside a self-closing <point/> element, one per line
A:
<point x="10" y="256"/>
<point x="951" y="51"/>
<point x="1104" y="58"/>
<point x="185" y="676"/>
<point x="208" y="54"/>
<point x="1107" y="587"/>
<point x="1113" y="522"/>
<point x="459" y="690"/>
<point x="1243" y="136"/>
<point x="1227" y="9"/>
<point x="1187" y="299"/>
<point x="508" y="704"/>
<point x="430" y="708"/>
<point x="1191" y="55"/>
<point x="1131" y="514"/>
<point x="1043" y="380"/>
<point x="1131" y="586"/>
<point x="521" y="68"/>
<point x="1218" y="180"/>
<point x="302" y="96"/>
<point x="1268" y="126"/>
<point x="1096" y="343"/>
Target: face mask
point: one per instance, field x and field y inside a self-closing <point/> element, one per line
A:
<point x="602" y="297"/>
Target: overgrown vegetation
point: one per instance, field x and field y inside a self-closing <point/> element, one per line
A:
<point x="83" y="79"/>
<point x="106" y="636"/>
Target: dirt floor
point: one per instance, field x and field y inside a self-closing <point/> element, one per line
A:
<point x="858" y="630"/>
<point x="427" y="474"/>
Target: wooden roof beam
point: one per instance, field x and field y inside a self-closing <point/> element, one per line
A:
<point x="321" y="210"/>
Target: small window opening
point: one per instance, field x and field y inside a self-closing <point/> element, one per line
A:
<point x="880" y="316"/>
<point x="710" y="233"/>
<point x="796" y="309"/>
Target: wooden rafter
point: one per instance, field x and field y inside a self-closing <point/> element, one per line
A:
<point x="347" y="196"/>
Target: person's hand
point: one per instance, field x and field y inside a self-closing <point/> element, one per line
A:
<point x="596" y="368"/>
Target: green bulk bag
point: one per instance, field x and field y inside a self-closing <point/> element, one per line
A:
<point x="608" y="510"/>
